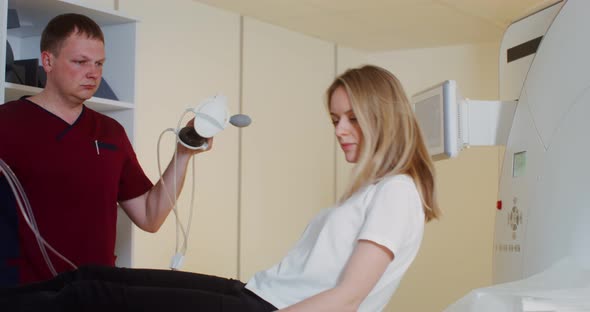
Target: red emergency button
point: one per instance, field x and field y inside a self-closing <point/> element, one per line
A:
<point x="499" y="205"/>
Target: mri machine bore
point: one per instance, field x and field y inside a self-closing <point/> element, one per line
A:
<point x="542" y="230"/>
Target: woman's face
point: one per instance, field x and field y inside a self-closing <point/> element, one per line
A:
<point x="346" y="127"/>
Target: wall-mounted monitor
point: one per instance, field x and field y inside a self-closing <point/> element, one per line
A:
<point x="437" y="110"/>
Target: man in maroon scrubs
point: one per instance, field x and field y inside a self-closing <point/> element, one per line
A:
<point x="74" y="163"/>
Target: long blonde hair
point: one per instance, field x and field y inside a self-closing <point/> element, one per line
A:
<point x="392" y="141"/>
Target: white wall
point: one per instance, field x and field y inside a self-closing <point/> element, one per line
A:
<point x="254" y="201"/>
<point x="99" y="4"/>
<point x="284" y="172"/>
<point x="456" y="254"/>
<point x="474" y="67"/>
<point x="346" y="58"/>
<point x="181" y="60"/>
<point x="287" y="160"/>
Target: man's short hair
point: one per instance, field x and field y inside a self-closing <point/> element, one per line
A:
<point x="62" y="26"/>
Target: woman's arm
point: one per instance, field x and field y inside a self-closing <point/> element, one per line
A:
<point x="362" y="272"/>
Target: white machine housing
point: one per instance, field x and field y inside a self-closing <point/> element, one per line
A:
<point x="545" y="173"/>
<point x="541" y="255"/>
<point x="451" y="123"/>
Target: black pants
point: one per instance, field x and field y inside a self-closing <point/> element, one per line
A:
<point x="96" y="288"/>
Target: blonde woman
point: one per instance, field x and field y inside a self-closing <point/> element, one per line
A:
<point x="351" y="257"/>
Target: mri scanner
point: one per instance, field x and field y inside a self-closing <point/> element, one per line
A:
<point x="542" y="229"/>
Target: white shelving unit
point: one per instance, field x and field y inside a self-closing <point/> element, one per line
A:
<point x="119" y="69"/>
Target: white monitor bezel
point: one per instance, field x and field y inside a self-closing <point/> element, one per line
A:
<point x="449" y="123"/>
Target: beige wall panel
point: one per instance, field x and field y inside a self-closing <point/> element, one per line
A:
<point x="346" y="58"/>
<point x="187" y="52"/>
<point x="456" y="255"/>
<point x="288" y="151"/>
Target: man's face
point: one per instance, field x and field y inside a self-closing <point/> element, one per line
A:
<point x="76" y="71"/>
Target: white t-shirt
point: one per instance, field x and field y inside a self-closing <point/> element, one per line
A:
<point x="388" y="213"/>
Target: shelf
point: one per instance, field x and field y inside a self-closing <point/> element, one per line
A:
<point x="119" y="34"/>
<point x="15" y="91"/>
<point x="34" y="15"/>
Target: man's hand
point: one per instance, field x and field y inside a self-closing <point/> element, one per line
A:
<point x="187" y="151"/>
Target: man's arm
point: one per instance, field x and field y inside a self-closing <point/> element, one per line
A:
<point x="149" y="210"/>
<point x="365" y="267"/>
